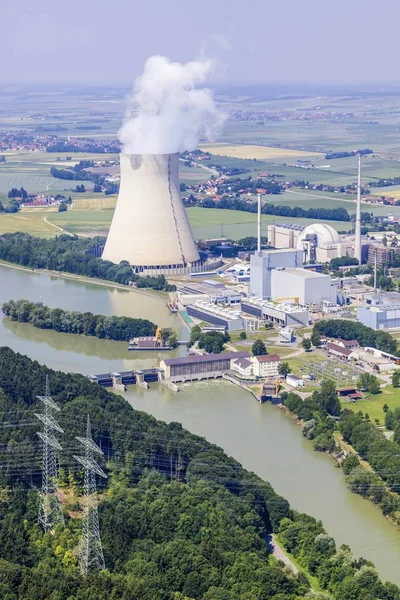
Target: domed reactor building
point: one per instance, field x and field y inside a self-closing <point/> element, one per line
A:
<point x="150" y="228"/>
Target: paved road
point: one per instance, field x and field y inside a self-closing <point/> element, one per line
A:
<point x="280" y="554"/>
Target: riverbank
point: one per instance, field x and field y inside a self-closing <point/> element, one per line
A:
<point x="341" y="451"/>
<point x="158" y="295"/>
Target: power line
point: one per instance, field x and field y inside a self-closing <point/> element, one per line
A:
<point x="91" y="557"/>
<point x="50" y="510"/>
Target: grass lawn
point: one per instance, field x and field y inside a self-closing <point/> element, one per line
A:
<point x="373" y="405"/>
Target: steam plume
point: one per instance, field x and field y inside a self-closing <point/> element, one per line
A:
<point x="167" y="111"/>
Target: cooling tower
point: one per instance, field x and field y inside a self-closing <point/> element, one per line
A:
<point x="150" y="228"/>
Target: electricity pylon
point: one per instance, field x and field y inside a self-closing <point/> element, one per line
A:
<point x="50" y="510"/>
<point x="91" y="556"/>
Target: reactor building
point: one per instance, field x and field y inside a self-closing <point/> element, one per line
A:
<point x="150" y="228"/>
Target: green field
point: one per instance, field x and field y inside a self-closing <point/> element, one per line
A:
<point x="373" y="405"/>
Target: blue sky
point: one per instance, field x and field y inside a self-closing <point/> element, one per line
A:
<point x="258" y="41"/>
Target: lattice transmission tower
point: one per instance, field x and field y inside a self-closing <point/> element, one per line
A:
<point x="50" y="510"/>
<point x="91" y="556"/>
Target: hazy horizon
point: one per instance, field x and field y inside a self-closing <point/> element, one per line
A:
<point x="255" y="42"/>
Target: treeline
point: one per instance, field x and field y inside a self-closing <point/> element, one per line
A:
<point x="352" y="330"/>
<point x="385" y="182"/>
<point x="100" y="326"/>
<point x="71" y="254"/>
<point x="383" y="455"/>
<point x="332" y="155"/>
<point x="181" y="521"/>
<point x="84" y="145"/>
<point x="17" y="193"/>
<point x="331" y="214"/>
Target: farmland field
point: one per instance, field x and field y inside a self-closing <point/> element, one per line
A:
<point x="253" y="152"/>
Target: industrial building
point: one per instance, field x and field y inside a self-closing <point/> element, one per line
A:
<point x="150" y="228"/>
<point x="380" y="316"/>
<point x="216" y="315"/>
<point x="209" y="291"/>
<point x="283" y="235"/>
<point x="284" y="314"/>
<point x="321" y="242"/>
<point x="205" y="366"/>
<point x="307" y="286"/>
<point x="263" y="263"/>
<point x="318" y="241"/>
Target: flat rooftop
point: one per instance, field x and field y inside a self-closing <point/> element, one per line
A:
<point x="303" y="273"/>
<point x="199" y="358"/>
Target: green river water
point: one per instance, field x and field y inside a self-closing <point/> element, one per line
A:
<point x="261" y="437"/>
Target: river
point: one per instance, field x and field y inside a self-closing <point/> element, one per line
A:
<point x="261" y="437"/>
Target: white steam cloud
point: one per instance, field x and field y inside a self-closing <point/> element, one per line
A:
<point x="168" y="111"/>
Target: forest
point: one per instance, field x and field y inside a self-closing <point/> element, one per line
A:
<point x="179" y="519"/>
<point x="100" y="326"/>
<point x="71" y="254"/>
<point x="352" y="330"/>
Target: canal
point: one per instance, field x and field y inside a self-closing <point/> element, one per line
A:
<point x="261" y="437"/>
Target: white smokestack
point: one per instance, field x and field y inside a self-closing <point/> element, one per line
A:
<point x="259" y="224"/>
<point x="168" y="113"/>
<point x="357" y="240"/>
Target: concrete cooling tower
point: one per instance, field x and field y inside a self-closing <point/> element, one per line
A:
<point x="150" y="228"/>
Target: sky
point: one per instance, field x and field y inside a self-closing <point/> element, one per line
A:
<point x="255" y="41"/>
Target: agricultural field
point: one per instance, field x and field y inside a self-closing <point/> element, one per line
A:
<point x="29" y="222"/>
<point x="318" y="199"/>
<point x="209" y="222"/>
<point x="252" y="152"/>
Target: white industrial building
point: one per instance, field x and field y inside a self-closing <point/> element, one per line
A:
<point x="284" y="314"/>
<point x="216" y="315"/>
<point x="307" y="286"/>
<point x="321" y="242"/>
<point x="318" y="241"/>
<point x="283" y="235"/>
<point x="262" y="264"/>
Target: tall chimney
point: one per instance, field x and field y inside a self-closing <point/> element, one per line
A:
<point x="357" y="240"/>
<point x="259" y="225"/>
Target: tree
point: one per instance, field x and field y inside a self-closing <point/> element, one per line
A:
<point x="368" y="383"/>
<point x="396" y="378"/>
<point x="62" y="207"/>
<point x="2" y="159"/>
<point x="258" y="348"/>
<point x="243" y="335"/>
<point x="306" y="343"/>
<point x="316" y="338"/>
<point x="284" y="369"/>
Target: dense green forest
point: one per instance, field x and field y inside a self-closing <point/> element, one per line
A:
<point x="179" y="519"/>
<point x="352" y="330"/>
<point x="101" y="326"/>
<point x="72" y="255"/>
